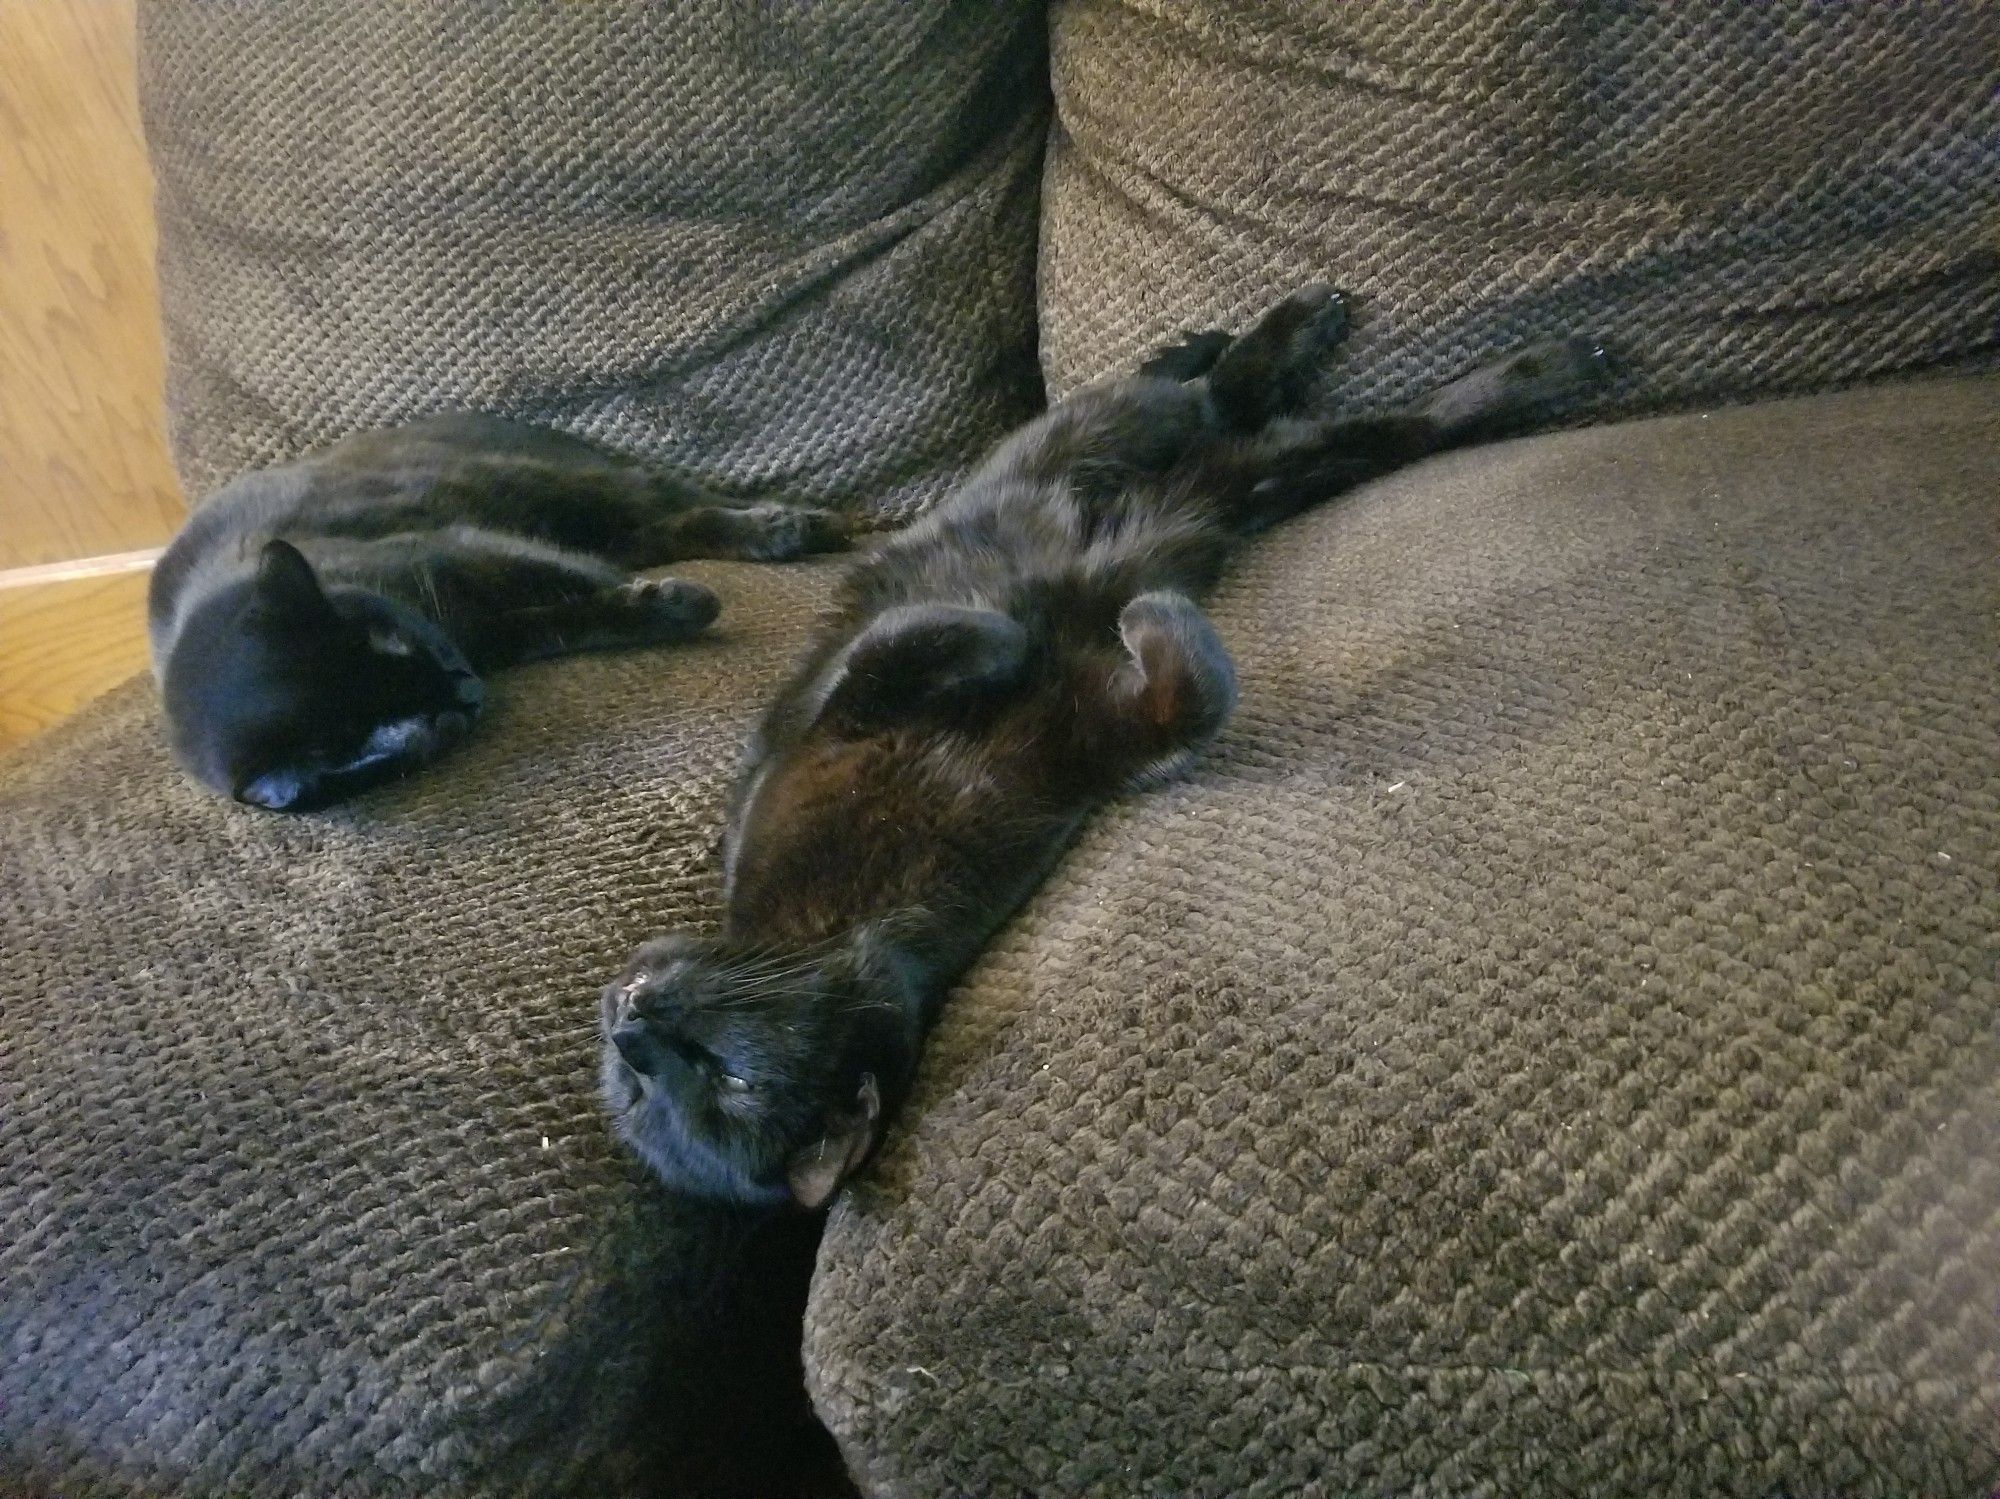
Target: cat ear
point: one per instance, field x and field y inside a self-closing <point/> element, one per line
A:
<point x="286" y="584"/>
<point x="917" y="656"/>
<point x="816" y="1172"/>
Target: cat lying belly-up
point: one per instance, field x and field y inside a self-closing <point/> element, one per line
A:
<point x="1028" y="650"/>
<point x="319" y="627"/>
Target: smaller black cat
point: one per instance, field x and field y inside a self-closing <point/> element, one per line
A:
<point x="1023" y="653"/>
<point x="319" y="627"/>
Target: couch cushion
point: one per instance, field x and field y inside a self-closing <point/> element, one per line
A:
<point x="785" y="248"/>
<point x="1548" y="1046"/>
<point x="1745" y="198"/>
<point x="304" y="1187"/>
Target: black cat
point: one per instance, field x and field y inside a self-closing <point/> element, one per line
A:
<point x="1026" y="651"/>
<point x="318" y="628"/>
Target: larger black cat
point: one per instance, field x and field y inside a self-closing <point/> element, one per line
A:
<point x="1027" y="650"/>
<point x="319" y="627"/>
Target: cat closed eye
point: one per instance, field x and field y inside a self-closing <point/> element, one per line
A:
<point x="731" y="1083"/>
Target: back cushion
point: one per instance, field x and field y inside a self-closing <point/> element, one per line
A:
<point x="787" y="248"/>
<point x="1739" y="198"/>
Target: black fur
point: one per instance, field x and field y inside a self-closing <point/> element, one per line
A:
<point x="320" y="627"/>
<point x="991" y="674"/>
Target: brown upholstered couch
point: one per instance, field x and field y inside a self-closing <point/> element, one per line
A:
<point x="1550" y="1045"/>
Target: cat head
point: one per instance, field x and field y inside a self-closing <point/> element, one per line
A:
<point x="285" y="695"/>
<point x="754" y="1076"/>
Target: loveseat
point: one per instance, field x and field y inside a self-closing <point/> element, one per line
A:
<point x="1550" y="1044"/>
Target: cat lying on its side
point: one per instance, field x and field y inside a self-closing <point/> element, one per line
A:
<point x="319" y="627"/>
<point x="1026" y="651"/>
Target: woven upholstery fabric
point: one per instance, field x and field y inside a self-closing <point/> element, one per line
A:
<point x="305" y="1188"/>
<point x="1549" y="1046"/>
<point x="788" y="249"/>
<point x="1740" y="198"/>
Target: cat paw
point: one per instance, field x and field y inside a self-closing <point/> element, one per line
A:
<point x="674" y="603"/>
<point x="778" y="533"/>
<point x="448" y="730"/>
<point x="1323" y="320"/>
<point x="1300" y="331"/>
<point x="1271" y="370"/>
<point x="1559" y="365"/>
<point x="1531" y="382"/>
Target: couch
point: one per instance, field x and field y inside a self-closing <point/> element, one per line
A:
<point x="1548" y="1045"/>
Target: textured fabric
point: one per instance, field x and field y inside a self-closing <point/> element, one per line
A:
<point x="785" y="248"/>
<point x="1740" y="198"/>
<point x="305" y="1188"/>
<point x="1550" y="1045"/>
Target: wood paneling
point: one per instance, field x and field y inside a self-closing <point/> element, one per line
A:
<point x="83" y="457"/>
<point x="83" y="454"/>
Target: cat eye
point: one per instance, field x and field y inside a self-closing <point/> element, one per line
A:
<point x="390" y="644"/>
<point x="731" y="1083"/>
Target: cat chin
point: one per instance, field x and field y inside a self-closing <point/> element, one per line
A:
<point x="656" y="1135"/>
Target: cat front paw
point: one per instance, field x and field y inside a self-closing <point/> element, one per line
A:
<point x="1554" y="368"/>
<point x="1323" y="322"/>
<point x="679" y="606"/>
<point x="778" y="533"/>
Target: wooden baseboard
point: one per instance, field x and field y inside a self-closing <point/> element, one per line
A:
<point x="63" y="641"/>
<point x="78" y="567"/>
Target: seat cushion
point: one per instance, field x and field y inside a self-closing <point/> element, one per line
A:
<point x="305" y="1188"/>
<point x="789" y="250"/>
<point x="1740" y="199"/>
<point x="1549" y="1044"/>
